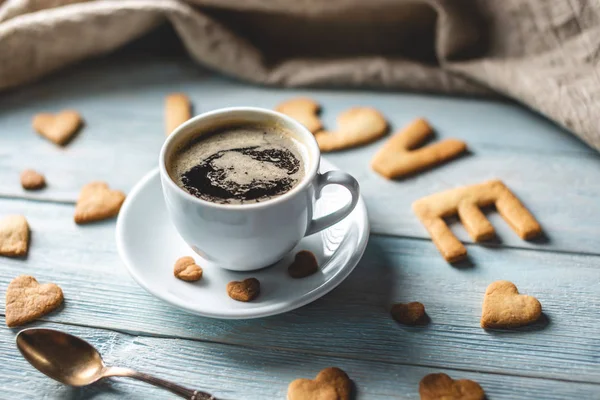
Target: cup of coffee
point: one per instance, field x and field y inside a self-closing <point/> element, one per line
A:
<point x="240" y="186"/>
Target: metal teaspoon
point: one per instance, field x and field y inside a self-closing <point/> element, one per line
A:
<point x="73" y="361"/>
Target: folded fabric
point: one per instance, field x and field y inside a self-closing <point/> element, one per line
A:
<point x="544" y="54"/>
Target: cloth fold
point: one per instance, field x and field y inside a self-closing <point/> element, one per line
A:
<point x="544" y="54"/>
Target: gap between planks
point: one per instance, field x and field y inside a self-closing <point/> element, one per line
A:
<point x="135" y="334"/>
<point x="373" y="232"/>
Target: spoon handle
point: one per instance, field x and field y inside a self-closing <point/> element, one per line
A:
<point x="173" y="387"/>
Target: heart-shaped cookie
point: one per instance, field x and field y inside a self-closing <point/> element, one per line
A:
<point x="412" y="313"/>
<point x="442" y="387"/>
<point x="27" y="300"/>
<point x="303" y="110"/>
<point x="305" y="264"/>
<point x="186" y="269"/>
<point x="245" y="290"/>
<point x="504" y="307"/>
<point x="356" y="126"/>
<point x="32" y="180"/>
<point x="58" y="128"/>
<point x="14" y="236"/>
<point x="330" y="384"/>
<point x="97" y="201"/>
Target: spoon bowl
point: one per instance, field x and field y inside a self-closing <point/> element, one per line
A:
<point x="61" y="356"/>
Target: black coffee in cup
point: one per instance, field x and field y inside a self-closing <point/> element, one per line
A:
<point x="239" y="164"/>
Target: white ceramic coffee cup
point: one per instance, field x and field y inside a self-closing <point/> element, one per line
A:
<point x="250" y="236"/>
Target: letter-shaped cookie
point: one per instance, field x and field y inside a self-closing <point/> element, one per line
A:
<point x="178" y="109"/>
<point x="399" y="156"/>
<point x="466" y="202"/>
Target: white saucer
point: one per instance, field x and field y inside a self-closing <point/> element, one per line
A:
<point x="149" y="246"/>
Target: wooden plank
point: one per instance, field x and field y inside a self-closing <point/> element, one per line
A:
<point x="122" y="101"/>
<point x="234" y="372"/>
<point x="353" y="320"/>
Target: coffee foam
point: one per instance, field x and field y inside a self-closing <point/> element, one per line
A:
<point x="235" y="169"/>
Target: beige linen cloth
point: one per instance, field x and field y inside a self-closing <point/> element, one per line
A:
<point x="542" y="53"/>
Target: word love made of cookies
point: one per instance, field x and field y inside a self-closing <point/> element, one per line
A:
<point x="466" y="201"/>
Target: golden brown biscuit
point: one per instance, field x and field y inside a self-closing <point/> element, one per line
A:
<point x="246" y="290"/>
<point x="186" y="269"/>
<point x="178" y="109"/>
<point x="399" y="157"/>
<point x="504" y="307"/>
<point x="442" y="387"/>
<point x="27" y="300"/>
<point x="466" y="201"/>
<point x="14" y="236"/>
<point x="330" y="384"/>
<point x="305" y="264"/>
<point x="356" y="126"/>
<point x="412" y="313"/>
<point x="59" y="128"/>
<point x="303" y="110"/>
<point x="96" y="202"/>
<point x="32" y="180"/>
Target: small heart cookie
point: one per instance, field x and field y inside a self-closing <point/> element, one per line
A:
<point x="305" y="264"/>
<point x="412" y="313"/>
<point x="58" y="128"/>
<point x="14" y="236"/>
<point x="356" y="126"/>
<point x="96" y="202"/>
<point x="442" y="387"/>
<point x="32" y="180"/>
<point x="246" y="290"/>
<point x="27" y="300"/>
<point x="303" y="110"/>
<point x="331" y="384"/>
<point x="504" y="307"/>
<point x="186" y="269"/>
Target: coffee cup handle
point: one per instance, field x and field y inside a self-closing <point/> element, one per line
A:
<point x="334" y="178"/>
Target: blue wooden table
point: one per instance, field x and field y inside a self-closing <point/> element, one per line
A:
<point x="121" y="99"/>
